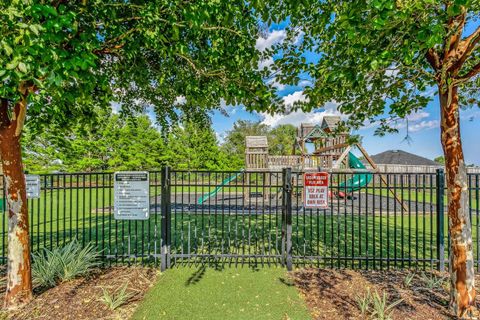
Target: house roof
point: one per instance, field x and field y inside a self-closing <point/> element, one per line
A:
<point x="402" y="157"/>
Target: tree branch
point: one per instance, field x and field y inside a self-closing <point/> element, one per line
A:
<point x="455" y="27"/>
<point x="110" y="49"/>
<point x="433" y="59"/>
<point x="20" y="113"/>
<point x="20" y="109"/>
<point x="199" y="72"/>
<point x="472" y="73"/>
<point x="466" y="48"/>
<point x="222" y="28"/>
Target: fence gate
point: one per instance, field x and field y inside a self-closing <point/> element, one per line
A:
<point x="225" y="214"/>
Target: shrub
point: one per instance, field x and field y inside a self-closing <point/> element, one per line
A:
<point x="62" y="264"/>
<point x="375" y="306"/>
<point x="115" y="299"/>
<point x="381" y="308"/>
<point x="431" y="281"/>
<point x="364" y="302"/>
<point x="407" y="281"/>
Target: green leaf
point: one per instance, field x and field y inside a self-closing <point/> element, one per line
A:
<point x="7" y="48"/>
<point x="35" y="29"/>
<point x="22" y="67"/>
<point x="377" y="4"/>
<point x="12" y="65"/>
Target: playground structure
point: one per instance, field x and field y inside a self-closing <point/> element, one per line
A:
<point x="317" y="147"/>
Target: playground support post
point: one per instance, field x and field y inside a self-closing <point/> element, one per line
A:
<point x="440" y="219"/>
<point x="166" y="220"/>
<point x="375" y="167"/>
<point x="287" y="219"/>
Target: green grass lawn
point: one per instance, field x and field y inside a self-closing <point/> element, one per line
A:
<point x="423" y="195"/>
<point x="227" y="293"/>
<point x="59" y="216"/>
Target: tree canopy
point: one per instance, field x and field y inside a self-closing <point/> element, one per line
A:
<point x="374" y="58"/>
<point x="112" y="142"/>
<point x="382" y="60"/>
<point x="280" y="138"/>
<point x="62" y="59"/>
<point x="138" y="53"/>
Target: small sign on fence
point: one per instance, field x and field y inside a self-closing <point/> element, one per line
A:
<point x="131" y="195"/>
<point x="33" y="186"/>
<point x="315" y="190"/>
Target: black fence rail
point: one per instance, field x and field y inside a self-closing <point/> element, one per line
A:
<point x="373" y="221"/>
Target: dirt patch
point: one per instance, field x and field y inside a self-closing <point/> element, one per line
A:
<point x="333" y="294"/>
<point x="80" y="298"/>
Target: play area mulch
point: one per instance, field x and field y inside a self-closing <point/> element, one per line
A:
<point x="80" y="299"/>
<point x="333" y="294"/>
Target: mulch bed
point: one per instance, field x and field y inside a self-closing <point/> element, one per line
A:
<point x="329" y="294"/>
<point x="80" y="299"/>
<point x="333" y="294"/>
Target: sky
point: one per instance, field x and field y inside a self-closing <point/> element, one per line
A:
<point x="424" y="130"/>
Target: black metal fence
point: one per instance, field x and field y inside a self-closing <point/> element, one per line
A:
<point x="393" y="221"/>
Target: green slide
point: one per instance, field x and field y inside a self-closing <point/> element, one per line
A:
<point x="213" y="193"/>
<point x="358" y="180"/>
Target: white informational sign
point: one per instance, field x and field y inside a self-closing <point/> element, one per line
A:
<point x="316" y="190"/>
<point x="131" y="195"/>
<point x="33" y="186"/>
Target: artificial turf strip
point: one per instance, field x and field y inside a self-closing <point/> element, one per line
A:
<point x="228" y="293"/>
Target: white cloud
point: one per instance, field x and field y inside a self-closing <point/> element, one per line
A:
<point x="417" y="116"/>
<point x="277" y="84"/>
<point x="116" y="107"/>
<point x="265" y="63"/>
<point x="391" y="73"/>
<point x="274" y="37"/>
<point x="430" y="93"/>
<point x="229" y="108"/>
<point x="424" y="125"/>
<point x="180" y="100"/>
<point x="299" y="38"/>
<point x="220" y="137"/>
<point x="297" y="96"/>
<point x="416" y="122"/>
<point x="469" y="114"/>
<point x="305" y="83"/>
<point x="298" y="117"/>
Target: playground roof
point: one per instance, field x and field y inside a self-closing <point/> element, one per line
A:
<point x="330" y="122"/>
<point x="402" y="157"/>
<point x="256" y="142"/>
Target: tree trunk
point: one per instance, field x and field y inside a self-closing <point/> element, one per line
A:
<point x="19" y="280"/>
<point x="461" y="266"/>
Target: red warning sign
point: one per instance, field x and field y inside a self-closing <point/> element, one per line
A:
<point x="315" y="190"/>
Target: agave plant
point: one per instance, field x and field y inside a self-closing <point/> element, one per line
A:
<point x="62" y="264"/>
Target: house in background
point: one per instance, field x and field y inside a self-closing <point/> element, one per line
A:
<point x="400" y="157"/>
<point x="398" y="161"/>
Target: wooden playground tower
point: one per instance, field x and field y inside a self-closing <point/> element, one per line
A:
<point x="330" y="150"/>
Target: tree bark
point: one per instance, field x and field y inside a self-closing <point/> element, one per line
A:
<point x="19" y="280"/>
<point x="461" y="266"/>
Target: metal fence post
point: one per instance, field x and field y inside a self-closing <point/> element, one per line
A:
<point x="166" y="221"/>
<point x="440" y="219"/>
<point x="287" y="219"/>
